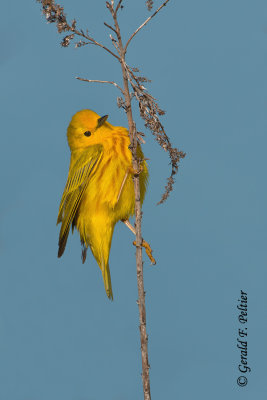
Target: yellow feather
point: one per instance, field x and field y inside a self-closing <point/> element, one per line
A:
<point x="99" y="191"/>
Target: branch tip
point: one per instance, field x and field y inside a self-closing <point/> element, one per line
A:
<point x="144" y="23"/>
<point x="100" y="81"/>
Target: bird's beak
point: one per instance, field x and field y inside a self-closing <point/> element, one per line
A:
<point x="101" y="121"/>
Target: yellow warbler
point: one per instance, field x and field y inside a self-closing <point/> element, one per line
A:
<point x="99" y="190"/>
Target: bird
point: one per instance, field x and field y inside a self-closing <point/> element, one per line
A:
<point x="99" y="191"/>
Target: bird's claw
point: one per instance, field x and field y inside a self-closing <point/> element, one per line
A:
<point x="148" y="251"/>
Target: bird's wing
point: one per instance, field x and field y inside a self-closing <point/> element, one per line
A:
<point x="77" y="182"/>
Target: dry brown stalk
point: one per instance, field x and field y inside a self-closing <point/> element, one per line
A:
<point x="138" y="213"/>
<point x="98" y="81"/>
<point x="149" y="111"/>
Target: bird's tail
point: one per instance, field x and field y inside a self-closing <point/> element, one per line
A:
<point x="100" y="242"/>
<point x="107" y="279"/>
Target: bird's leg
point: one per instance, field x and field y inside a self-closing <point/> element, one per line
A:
<point x="144" y="243"/>
<point x="122" y="185"/>
<point x="132" y="171"/>
<point x="129" y="225"/>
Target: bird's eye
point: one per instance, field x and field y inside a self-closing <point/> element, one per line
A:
<point x="87" y="133"/>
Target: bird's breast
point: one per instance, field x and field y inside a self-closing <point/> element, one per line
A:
<point x="105" y="185"/>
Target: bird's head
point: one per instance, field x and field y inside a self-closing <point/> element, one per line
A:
<point x="85" y="129"/>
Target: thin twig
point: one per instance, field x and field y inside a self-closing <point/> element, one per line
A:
<point x="115" y="44"/>
<point x="141" y="139"/>
<point x="98" y="81"/>
<point x="117" y="8"/>
<point x="93" y="41"/>
<point x="144" y="23"/>
<point x="110" y="27"/>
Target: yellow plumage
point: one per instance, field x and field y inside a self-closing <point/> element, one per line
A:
<point x="99" y="190"/>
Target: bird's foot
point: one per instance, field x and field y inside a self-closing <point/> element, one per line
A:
<point x="148" y="250"/>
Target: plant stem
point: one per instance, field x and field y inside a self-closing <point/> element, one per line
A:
<point x="138" y="219"/>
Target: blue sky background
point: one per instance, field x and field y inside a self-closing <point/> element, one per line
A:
<point x="60" y="337"/>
